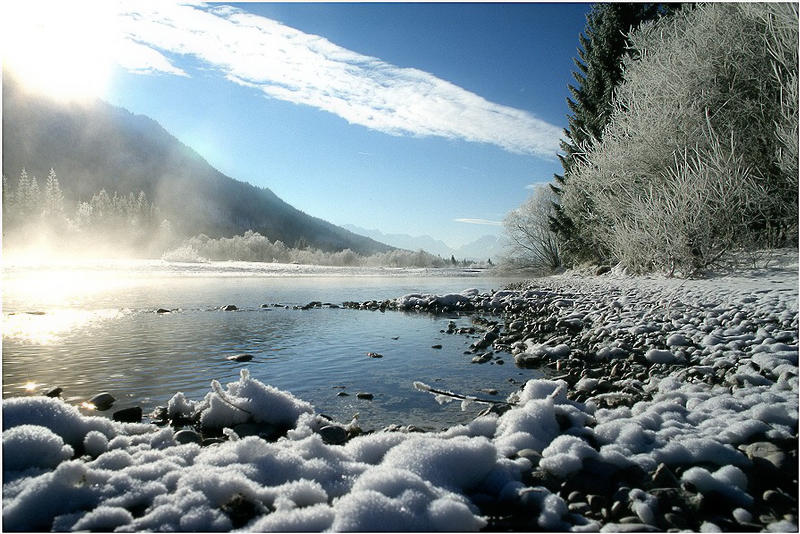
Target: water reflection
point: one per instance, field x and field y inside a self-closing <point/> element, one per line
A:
<point x="112" y="340"/>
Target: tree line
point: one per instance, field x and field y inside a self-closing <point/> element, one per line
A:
<point x="34" y="213"/>
<point x="682" y="144"/>
<point x="131" y="225"/>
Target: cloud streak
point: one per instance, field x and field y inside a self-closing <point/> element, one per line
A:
<point x="293" y="66"/>
<point x="486" y="222"/>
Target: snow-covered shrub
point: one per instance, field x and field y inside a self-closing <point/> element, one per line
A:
<point x="700" y="154"/>
<point x="184" y="253"/>
<point x="532" y="243"/>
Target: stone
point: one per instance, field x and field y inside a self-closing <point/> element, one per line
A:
<point x="769" y="452"/>
<point x="343" y="394"/>
<point x="102" y="401"/>
<point x="678" y="340"/>
<point x="602" y="269"/>
<point x="162" y="310"/>
<point x="597" y="502"/>
<point x="54" y="392"/>
<point x="777" y="499"/>
<point x="128" y="415"/>
<point x="374" y="355"/>
<point x="580" y="507"/>
<point x="333" y="435"/>
<point x="240" y="357"/>
<point x="365" y="396"/>
<point x="665" y="478"/>
<point x="660" y="356"/>
<point x="229" y="307"/>
<point x="482" y="358"/>
<point x="673" y="520"/>
<point x="187" y="436"/>
<point x="742" y="516"/>
<point x="630" y="527"/>
<point x="436" y="346"/>
<point x="239" y="510"/>
<point x="618" y="508"/>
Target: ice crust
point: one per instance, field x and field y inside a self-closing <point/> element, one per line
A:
<point x="134" y="477"/>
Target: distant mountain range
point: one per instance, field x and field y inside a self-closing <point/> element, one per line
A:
<point x="483" y="248"/>
<point x="99" y="146"/>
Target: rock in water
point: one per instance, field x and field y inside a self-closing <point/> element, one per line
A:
<point x="229" y="307"/>
<point x="374" y="355"/>
<point x="365" y="396"/>
<point x="162" y="310"/>
<point x="240" y="357"/>
<point x="436" y="346"/>
<point x="128" y="415"/>
<point x="54" y="392"/>
<point x="102" y="401"/>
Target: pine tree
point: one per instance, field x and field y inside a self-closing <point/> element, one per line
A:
<point x="53" y="196"/>
<point x="599" y="63"/>
<point x="21" y="194"/>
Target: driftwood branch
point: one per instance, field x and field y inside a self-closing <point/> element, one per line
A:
<point x="425" y="387"/>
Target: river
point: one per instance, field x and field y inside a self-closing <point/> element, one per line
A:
<point x="92" y="326"/>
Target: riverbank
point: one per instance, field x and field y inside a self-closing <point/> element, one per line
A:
<point x="672" y="404"/>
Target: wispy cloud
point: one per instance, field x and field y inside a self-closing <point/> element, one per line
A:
<point x="479" y="221"/>
<point x="290" y="65"/>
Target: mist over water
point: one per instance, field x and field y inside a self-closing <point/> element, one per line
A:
<point x="94" y="327"/>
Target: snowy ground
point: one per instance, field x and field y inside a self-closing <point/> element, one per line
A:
<point x="675" y="406"/>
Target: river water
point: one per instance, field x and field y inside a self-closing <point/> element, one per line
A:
<point x="91" y="326"/>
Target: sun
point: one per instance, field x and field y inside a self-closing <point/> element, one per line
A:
<point x="62" y="49"/>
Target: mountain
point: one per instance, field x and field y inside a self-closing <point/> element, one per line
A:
<point x="405" y="241"/>
<point x="99" y="146"/>
<point x="483" y="248"/>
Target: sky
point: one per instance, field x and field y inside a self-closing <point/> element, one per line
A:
<point x="422" y="119"/>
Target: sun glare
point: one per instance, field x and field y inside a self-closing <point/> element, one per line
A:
<point x="62" y="49"/>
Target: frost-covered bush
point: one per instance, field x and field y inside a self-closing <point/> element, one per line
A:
<point x="533" y="244"/>
<point x="700" y="154"/>
<point x="252" y="246"/>
<point x="184" y="253"/>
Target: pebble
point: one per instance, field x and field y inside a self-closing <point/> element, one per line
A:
<point x="768" y="451"/>
<point x="102" y="401"/>
<point x="240" y="357"/>
<point x="187" y="436"/>
<point x="333" y="435"/>
<point x="742" y="516"/>
<point x="128" y="415"/>
<point x="630" y="527"/>
<point x="532" y="455"/>
<point x="579" y="508"/>
<point x="665" y="478"/>
<point x="660" y="356"/>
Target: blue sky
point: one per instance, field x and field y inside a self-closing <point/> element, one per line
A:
<point x="409" y="118"/>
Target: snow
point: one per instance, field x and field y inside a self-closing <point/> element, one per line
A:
<point x="67" y="471"/>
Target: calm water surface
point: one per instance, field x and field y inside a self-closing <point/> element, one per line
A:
<point x="94" y="328"/>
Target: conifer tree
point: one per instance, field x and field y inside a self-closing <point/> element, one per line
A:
<point x="599" y="71"/>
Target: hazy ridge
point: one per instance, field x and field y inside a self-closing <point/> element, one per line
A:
<point x="99" y="146"/>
